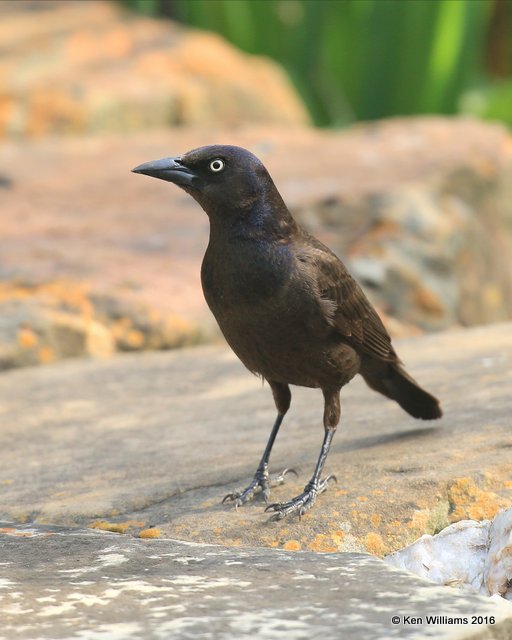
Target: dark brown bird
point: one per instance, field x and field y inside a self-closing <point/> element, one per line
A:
<point x="285" y="303"/>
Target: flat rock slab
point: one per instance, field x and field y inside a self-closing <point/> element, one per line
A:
<point x="65" y="583"/>
<point x="158" y="439"/>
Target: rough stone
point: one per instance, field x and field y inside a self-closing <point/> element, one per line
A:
<point x="474" y="555"/>
<point x="158" y="439"/>
<point x="419" y="209"/>
<point x="70" y="67"/>
<point x="41" y="323"/>
<point x="74" y="584"/>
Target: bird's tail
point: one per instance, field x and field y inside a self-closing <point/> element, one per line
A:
<point x="397" y="384"/>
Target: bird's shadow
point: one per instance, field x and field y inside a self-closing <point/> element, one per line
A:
<point x="368" y="442"/>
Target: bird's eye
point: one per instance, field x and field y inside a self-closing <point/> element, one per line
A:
<point x="216" y="166"/>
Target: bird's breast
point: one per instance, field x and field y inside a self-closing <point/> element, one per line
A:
<point x="238" y="275"/>
<point x="266" y="313"/>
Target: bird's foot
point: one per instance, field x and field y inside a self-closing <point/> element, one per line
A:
<point x="301" y="503"/>
<point x="261" y="484"/>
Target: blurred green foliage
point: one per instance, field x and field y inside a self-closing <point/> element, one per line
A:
<point x="366" y="59"/>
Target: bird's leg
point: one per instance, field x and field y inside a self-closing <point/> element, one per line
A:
<point x="301" y="503"/>
<point x="262" y="482"/>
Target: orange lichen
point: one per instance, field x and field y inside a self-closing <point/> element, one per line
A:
<point x="46" y="355"/>
<point x="135" y="339"/>
<point x="419" y="520"/>
<point x="114" y="527"/>
<point x="376" y="520"/>
<point x="27" y="338"/>
<point x="292" y="545"/>
<point x="338" y="536"/>
<point x="467" y="500"/>
<point x="375" y="544"/>
<point x="323" y="542"/>
<point x="152" y="532"/>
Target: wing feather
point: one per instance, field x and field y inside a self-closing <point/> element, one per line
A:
<point x="344" y="302"/>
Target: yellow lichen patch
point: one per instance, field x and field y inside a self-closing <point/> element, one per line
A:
<point x="292" y="545"/>
<point x="115" y="527"/>
<point x="73" y="294"/>
<point x="177" y="324"/>
<point x="133" y="523"/>
<point x="429" y="520"/>
<point x="337" y="537"/>
<point x="467" y="500"/>
<point x="493" y="297"/>
<point x="27" y="338"/>
<point x="135" y="339"/>
<point x="152" y="532"/>
<point x="376" y="520"/>
<point x="419" y="520"/>
<point x="375" y="544"/>
<point x="362" y="498"/>
<point x="323" y="542"/>
<point x="46" y="355"/>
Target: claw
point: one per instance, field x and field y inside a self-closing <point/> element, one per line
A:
<point x="301" y="503"/>
<point x="279" y="515"/>
<point x="260" y="484"/>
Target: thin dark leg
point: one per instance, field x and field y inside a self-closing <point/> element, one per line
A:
<point x="262" y="482"/>
<point x="301" y="503"/>
<point x="266" y="454"/>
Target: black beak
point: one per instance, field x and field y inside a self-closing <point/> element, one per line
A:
<point x="169" y="169"/>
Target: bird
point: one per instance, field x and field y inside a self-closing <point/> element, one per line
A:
<point x="286" y="305"/>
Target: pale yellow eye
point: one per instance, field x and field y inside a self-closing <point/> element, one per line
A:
<point x="217" y="165"/>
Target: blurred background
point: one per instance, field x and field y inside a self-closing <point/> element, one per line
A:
<point x="385" y="124"/>
<point x="368" y="59"/>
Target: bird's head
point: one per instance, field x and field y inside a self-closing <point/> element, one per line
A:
<point x="217" y="176"/>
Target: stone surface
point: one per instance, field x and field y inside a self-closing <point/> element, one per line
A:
<point x="69" y="67"/>
<point x="419" y="209"/>
<point x="76" y="584"/>
<point x="158" y="439"/>
<point x="475" y="555"/>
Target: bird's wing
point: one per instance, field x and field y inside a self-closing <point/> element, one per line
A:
<point x="343" y="301"/>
